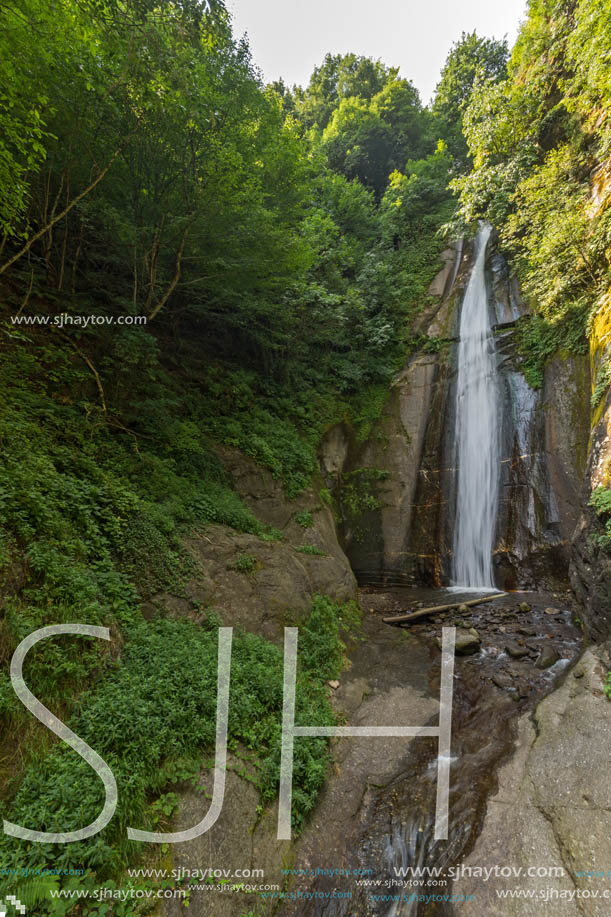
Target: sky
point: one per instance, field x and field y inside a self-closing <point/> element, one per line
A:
<point x="288" y="38"/>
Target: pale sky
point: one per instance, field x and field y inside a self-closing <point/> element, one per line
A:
<point x="288" y="38"/>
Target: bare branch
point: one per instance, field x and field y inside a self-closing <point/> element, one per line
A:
<point x="66" y="210"/>
<point x="176" y="277"/>
<point x="96" y="374"/>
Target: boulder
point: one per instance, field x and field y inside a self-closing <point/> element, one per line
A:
<point x="467" y="642"/>
<point x="501" y="680"/>
<point x="552" y="806"/>
<point x="548" y="656"/>
<point x="515" y="650"/>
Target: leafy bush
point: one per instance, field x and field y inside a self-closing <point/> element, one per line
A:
<point x="304" y="519"/>
<point x="603" y="382"/>
<point x="246" y="563"/>
<point x="600" y="500"/>
<point x="217" y="503"/>
<point x="310" y="549"/>
<point x="150" y="716"/>
<point x="538" y="339"/>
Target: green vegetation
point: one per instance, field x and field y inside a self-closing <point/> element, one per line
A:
<point x="600" y="501"/>
<point x="361" y="489"/>
<point x="538" y="340"/>
<point x="151" y="718"/>
<point x="362" y="493"/>
<point x="321" y="648"/>
<point x="246" y="563"/>
<point x="304" y="519"/>
<point x="470" y="61"/>
<point x="310" y="549"/>
<point x="191" y="262"/>
<point x="251" y="262"/>
<point x="539" y="138"/>
<point x="602" y="384"/>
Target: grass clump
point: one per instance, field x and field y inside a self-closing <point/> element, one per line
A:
<point x="310" y="549"/>
<point x="600" y="501"/>
<point x="539" y="340"/>
<point x="246" y="563"/>
<point x="152" y="718"/>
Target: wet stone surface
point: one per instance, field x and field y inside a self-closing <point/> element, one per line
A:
<point x="503" y="678"/>
<point x="513" y="643"/>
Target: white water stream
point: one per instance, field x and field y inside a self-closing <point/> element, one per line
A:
<point x="477" y="433"/>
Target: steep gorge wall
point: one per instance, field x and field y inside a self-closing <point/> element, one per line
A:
<point x="261" y="584"/>
<point x="543" y="453"/>
<point x="591" y="558"/>
<point x="378" y="483"/>
<point x="396" y="491"/>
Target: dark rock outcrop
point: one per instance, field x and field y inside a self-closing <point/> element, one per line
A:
<point x="389" y="486"/>
<point x="553" y="803"/>
<point x="397" y="489"/>
<point x="591" y="559"/>
<point x="256" y="583"/>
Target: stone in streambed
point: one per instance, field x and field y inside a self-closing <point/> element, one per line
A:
<point x="547" y="657"/>
<point x="524" y="607"/>
<point x="503" y="681"/>
<point x="466" y="643"/>
<point x="552" y="611"/>
<point x="463" y="610"/>
<point x="515" y="650"/>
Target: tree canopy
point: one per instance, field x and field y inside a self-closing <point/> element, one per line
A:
<point x="471" y="60"/>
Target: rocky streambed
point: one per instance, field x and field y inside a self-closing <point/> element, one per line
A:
<point x="377" y="811"/>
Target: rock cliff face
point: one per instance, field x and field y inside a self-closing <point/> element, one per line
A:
<point x="553" y="804"/>
<point x="385" y="490"/>
<point x="545" y="438"/>
<point x="259" y="584"/>
<point x="591" y="560"/>
<point x="377" y="536"/>
<point x="397" y="490"/>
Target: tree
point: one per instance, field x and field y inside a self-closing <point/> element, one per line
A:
<point x="340" y="77"/>
<point x="368" y="139"/>
<point x="470" y="58"/>
<point x="359" y="143"/>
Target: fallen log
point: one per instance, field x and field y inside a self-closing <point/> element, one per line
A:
<point x="437" y="609"/>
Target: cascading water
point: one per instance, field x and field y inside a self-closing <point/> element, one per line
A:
<point x="477" y="433"/>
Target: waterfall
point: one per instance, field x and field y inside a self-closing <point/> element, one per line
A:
<point x="477" y="433"/>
